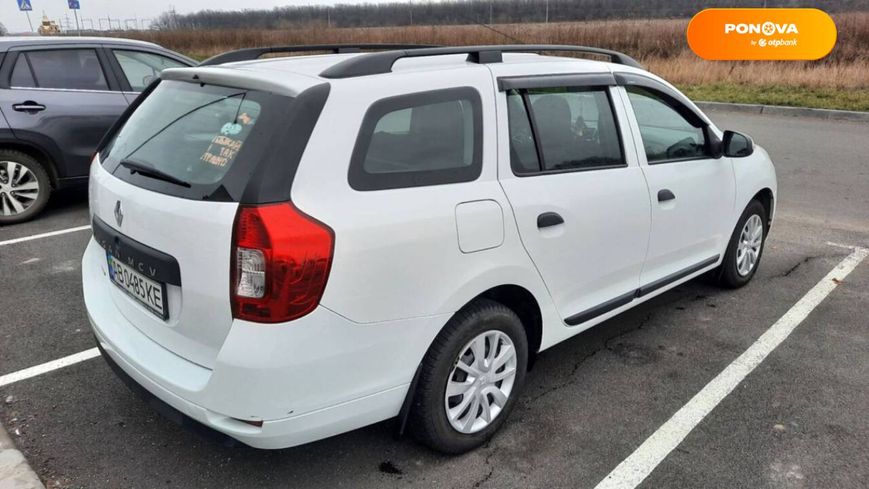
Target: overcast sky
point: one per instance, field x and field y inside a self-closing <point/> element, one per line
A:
<point x="16" y="21"/>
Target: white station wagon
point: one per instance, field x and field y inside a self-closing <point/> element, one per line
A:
<point x="290" y="248"/>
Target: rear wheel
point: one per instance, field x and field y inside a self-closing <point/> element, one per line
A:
<point x="745" y="247"/>
<point x="24" y="187"/>
<point x="470" y="378"/>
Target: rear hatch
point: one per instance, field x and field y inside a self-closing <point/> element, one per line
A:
<point x="166" y="190"/>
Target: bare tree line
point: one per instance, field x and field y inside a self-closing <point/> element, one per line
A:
<point x="455" y="12"/>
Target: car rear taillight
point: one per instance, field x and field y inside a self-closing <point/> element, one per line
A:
<point x="280" y="263"/>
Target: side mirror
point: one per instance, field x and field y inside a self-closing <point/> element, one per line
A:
<point x="737" y="145"/>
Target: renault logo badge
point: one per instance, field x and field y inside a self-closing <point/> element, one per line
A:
<point x="119" y="215"/>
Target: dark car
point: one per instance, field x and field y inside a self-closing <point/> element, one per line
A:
<point x="58" y="96"/>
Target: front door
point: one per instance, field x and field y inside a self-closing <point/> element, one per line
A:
<point x="691" y="192"/>
<point x="578" y="194"/>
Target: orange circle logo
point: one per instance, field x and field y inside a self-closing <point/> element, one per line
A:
<point x="761" y="34"/>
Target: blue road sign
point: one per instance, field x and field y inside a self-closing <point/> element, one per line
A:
<point x="24" y="5"/>
<point x="73" y="4"/>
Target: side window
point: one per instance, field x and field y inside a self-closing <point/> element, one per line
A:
<point x="429" y="138"/>
<point x="77" y="69"/>
<point x="573" y="128"/>
<point x="666" y="134"/>
<point x="21" y="75"/>
<point x="141" y="68"/>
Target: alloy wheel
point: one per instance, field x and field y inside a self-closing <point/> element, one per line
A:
<point x="19" y="188"/>
<point x="748" y="247"/>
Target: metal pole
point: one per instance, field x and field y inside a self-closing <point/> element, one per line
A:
<point x="77" y="26"/>
<point x="28" y="20"/>
<point x="547" y="11"/>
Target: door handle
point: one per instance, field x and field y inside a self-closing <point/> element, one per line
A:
<point x="665" y="194"/>
<point x="28" y="106"/>
<point x="548" y="219"/>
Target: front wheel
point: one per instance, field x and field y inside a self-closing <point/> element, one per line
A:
<point x="745" y="247"/>
<point x="470" y="378"/>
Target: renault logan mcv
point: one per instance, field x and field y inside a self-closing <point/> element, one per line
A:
<point x="290" y="248"/>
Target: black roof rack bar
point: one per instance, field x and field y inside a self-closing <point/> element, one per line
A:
<point x="255" y="53"/>
<point x="377" y="63"/>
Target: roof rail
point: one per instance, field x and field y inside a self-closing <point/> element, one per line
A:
<point x="377" y="63"/>
<point x="255" y="53"/>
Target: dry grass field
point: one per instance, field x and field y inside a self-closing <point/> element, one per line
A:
<point x="840" y="80"/>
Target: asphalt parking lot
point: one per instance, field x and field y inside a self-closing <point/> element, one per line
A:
<point x="798" y="420"/>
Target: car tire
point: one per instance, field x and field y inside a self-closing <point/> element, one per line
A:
<point x="475" y="328"/>
<point x="745" y="248"/>
<point x="29" y="174"/>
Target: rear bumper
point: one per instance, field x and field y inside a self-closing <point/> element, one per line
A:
<point x="281" y="433"/>
<point x="161" y="407"/>
<point x="306" y="380"/>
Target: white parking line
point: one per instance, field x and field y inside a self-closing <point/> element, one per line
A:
<point x="840" y="245"/>
<point x="634" y="469"/>
<point x="49" y="366"/>
<point x="43" y="235"/>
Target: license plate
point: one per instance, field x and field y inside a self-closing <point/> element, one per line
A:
<point x="148" y="292"/>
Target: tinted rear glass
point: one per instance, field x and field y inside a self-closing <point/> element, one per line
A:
<point x="196" y="141"/>
<point x="71" y="69"/>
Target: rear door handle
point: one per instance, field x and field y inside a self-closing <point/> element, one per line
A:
<point x="28" y="106"/>
<point x="665" y="194"/>
<point x="548" y="219"/>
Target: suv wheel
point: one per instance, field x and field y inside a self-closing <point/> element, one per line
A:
<point x="470" y="378"/>
<point x="24" y="187"/>
<point x="745" y="247"/>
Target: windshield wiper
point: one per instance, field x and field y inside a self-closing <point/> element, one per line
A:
<point x="150" y="171"/>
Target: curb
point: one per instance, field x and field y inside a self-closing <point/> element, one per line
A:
<point x="15" y="473"/>
<point x="827" y="114"/>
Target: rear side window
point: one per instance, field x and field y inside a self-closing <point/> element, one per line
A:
<point x="142" y="68"/>
<point x="429" y="138"/>
<point x="72" y="69"/>
<point x="21" y="74"/>
<point x="562" y="129"/>
<point x="196" y="141"/>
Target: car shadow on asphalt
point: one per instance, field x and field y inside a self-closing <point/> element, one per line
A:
<point x="67" y="199"/>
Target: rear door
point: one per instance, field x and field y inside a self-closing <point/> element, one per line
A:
<point x="62" y="98"/>
<point x="578" y="194"/>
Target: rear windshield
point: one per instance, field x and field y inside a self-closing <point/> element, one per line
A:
<point x="193" y="140"/>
